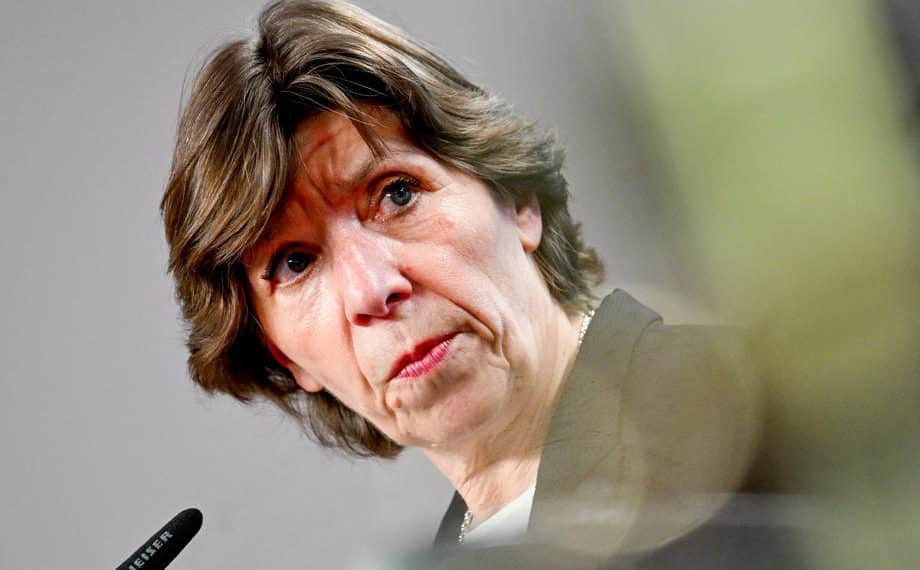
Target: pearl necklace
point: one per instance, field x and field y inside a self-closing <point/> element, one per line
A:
<point x="468" y="515"/>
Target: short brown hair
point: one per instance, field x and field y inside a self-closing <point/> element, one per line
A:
<point x="230" y="169"/>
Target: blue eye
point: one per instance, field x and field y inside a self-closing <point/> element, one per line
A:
<point x="400" y="195"/>
<point x="400" y="192"/>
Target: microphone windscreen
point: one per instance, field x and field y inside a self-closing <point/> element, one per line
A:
<point x="166" y="543"/>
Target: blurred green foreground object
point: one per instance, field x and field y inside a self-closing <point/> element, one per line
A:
<point x="781" y="130"/>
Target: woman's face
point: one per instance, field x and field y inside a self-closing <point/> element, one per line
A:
<point x="399" y="285"/>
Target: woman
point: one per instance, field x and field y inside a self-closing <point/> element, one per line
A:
<point x="384" y="250"/>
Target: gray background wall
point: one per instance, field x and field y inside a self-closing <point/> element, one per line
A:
<point x="103" y="436"/>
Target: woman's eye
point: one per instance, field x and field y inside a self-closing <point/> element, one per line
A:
<point x="401" y="195"/>
<point x="288" y="266"/>
<point x="298" y="262"/>
<point x="399" y="192"/>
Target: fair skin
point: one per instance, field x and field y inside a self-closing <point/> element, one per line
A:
<point x="408" y="291"/>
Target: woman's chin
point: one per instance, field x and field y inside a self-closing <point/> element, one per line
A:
<point x="449" y="387"/>
<point x="455" y="416"/>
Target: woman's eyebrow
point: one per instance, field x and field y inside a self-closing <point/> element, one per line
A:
<point x="370" y="166"/>
<point x="365" y="170"/>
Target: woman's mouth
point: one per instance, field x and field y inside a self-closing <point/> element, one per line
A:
<point x="423" y="359"/>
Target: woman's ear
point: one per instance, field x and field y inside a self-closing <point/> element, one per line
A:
<point x="529" y="222"/>
<point x="304" y="380"/>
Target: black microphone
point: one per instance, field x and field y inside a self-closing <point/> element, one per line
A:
<point x="165" y="545"/>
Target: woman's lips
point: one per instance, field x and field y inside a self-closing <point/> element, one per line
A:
<point x="424" y="358"/>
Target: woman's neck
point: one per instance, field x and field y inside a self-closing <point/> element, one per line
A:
<point x="500" y="463"/>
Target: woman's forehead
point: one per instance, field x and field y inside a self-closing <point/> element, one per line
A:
<point x="331" y="152"/>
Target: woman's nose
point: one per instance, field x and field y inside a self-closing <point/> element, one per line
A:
<point x="369" y="278"/>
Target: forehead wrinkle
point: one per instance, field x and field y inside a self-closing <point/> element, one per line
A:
<point x="333" y="174"/>
<point x="335" y="171"/>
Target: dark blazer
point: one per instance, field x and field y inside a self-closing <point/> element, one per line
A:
<point x="655" y="428"/>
